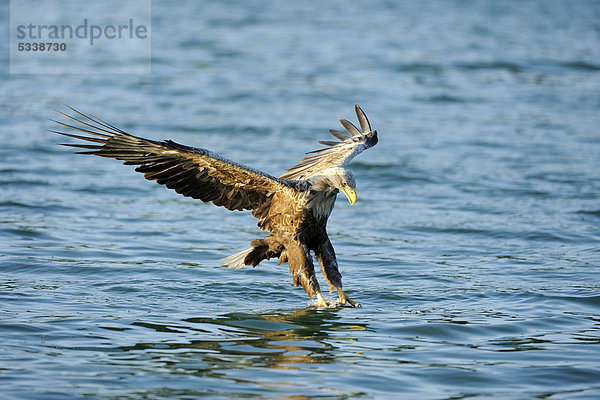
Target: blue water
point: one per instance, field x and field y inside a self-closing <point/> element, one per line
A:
<point x="474" y="247"/>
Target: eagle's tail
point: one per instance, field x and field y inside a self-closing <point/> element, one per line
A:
<point x="236" y="261"/>
<point x="253" y="256"/>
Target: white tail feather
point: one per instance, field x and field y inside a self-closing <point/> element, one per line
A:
<point x="236" y="261"/>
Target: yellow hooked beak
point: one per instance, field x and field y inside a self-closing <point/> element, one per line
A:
<point x="350" y="194"/>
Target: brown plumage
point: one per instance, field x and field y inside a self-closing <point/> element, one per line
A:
<point x="294" y="207"/>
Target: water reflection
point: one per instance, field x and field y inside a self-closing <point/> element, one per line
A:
<point x="214" y="346"/>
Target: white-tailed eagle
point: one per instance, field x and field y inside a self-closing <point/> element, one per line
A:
<point x="294" y="208"/>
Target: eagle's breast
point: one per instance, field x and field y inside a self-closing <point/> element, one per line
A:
<point x="321" y="203"/>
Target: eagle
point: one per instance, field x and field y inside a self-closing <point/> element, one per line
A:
<point x="294" y="208"/>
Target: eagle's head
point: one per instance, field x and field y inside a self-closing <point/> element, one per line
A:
<point x="334" y="179"/>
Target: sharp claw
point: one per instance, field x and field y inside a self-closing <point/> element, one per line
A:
<point x="345" y="299"/>
<point x="353" y="303"/>
<point x="322" y="303"/>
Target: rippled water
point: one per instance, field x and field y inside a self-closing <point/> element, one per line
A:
<point x="474" y="246"/>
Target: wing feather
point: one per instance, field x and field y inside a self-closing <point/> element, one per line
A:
<point x="362" y="119"/>
<point x="192" y="172"/>
<point x="338" y="154"/>
<point x="338" y="134"/>
<point x="349" y="126"/>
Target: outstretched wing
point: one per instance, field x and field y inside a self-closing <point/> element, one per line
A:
<point x="337" y="154"/>
<point x="192" y="172"/>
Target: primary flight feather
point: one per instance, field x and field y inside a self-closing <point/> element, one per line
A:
<point x="294" y="208"/>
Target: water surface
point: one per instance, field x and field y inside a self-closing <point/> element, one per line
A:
<point x="474" y="246"/>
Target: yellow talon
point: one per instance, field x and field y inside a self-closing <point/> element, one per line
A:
<point x="345" y="299"/>
<point x="323" y="303"/>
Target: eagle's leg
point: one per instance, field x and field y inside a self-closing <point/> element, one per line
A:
<point x="329" y="266"/>
<point x="303" y="272"/>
